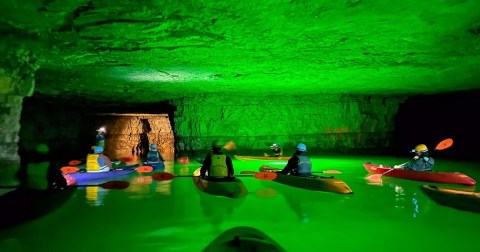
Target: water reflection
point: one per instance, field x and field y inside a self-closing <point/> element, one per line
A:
<point x="404" y="198"/>
<point x="95" y="195"/>
<point x="218" y="208"/>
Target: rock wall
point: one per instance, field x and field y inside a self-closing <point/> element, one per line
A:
<point x="338" y="123"/>
<point x="131" y="134"/>
<point x="17" y="70"/>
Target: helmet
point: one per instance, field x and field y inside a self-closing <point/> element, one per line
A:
<point x="153" y="147"/>
<point x="420" y="148"/>
<point x="217" y="144"/>
<point x="301" y="147"/>
<point x="98" y="149"/>
<point x="42" y="148"/>
<point x="275" y="145"/>
<point x="102" y="129"/>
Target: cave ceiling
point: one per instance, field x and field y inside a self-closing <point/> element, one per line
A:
<point x="149" y="51"/>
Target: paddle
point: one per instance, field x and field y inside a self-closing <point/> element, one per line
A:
<point x="324" y="172"/>
<point x="73" y="169"/>
<point x="164" y="176"/>
<point x="74" y="162"/>
<point x="113" y="185"/>
<point x="444" y="144"/>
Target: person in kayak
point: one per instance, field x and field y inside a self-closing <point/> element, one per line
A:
<point x="37" y="172"/>
<point x="277" y="151"/>
<point x="299" y="164"/>
<point x="98" y="162"/>
<point x="217" y="165"/>
<point x="154" y="158"/>
<point x="421" y="161"/>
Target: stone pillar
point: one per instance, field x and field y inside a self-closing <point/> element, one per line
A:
<point x="17" y="70"/>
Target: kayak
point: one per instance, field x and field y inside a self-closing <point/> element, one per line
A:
<point x="231" y="187"/>
<point x="247" y="158"/>
<point x="243" y="239"/>
<point x="463" y="200"/>
<point x="437" y="177"/>
<point x="19" y="205"/>
<point x="86" y="178"/>
<point x="313" y="183"/>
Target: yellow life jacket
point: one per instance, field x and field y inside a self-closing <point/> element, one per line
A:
<point x="219" y="166"/>
<point x="92" y="162"/>
<point x="37" y="175"/>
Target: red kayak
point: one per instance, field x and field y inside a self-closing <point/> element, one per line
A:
<point x="436" y="177"/>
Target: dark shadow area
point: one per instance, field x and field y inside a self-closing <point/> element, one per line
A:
<point x="69" y="127"/>
<point x="429" y="119"/>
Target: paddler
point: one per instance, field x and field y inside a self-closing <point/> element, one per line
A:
<point x="277" y="151"/>
<point x="217" y="165"/>
<point x="421" y="161"/>
<point x="98" y="162"/>
<point x="299" y="164"/>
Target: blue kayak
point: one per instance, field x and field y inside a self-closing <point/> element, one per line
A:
<point x="86" y="178"/>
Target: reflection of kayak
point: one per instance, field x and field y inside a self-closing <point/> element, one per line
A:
<point x="243" y="239"/>
<point x="463" y="200"/>
<point x="314" y="183"/>
<point x="18" y="206"/>
<point x="232" y="188"/>
<point x="246" y="158"/>
<point x="437" y="177"/>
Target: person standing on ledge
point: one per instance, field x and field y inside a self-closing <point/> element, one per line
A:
<point x="277" y="151"/>
<point x="218" y="165"/>
<point x="299" y="164"/>
<point x="421" y="161"/>
<point x="100" y="137"/>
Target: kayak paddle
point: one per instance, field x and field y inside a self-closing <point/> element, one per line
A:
<point x="73" y="169"/>
<point x="164" y="176"/>
<point x="112" y="185"/>
<point x="74" y="162"/>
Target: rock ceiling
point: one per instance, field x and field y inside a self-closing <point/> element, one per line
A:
<point x="148" y="51"/>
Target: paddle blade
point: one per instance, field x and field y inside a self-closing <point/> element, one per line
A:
<point x="69" y="169"/>
<point x="247" y="172"/>
<point x="183" y="160"/>
<point x="115" y="185"/>
<point x="444" y="144"/>
<point x="331" y="172"/>
<point x="126" y="159"/>
<point x="230" y="146"/>
<point x="375" y="178"/>
<point x="74" y="162"/>
<point x="144" y="168"/>
<point x="265" y="175"/>
<point x="162" y="176"/>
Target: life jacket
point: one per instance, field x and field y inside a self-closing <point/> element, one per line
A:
<point x="95" y="163"/>
<point x="153" y="157"/>
<point x="304" y="166"/>
<point x="218" y="167"/>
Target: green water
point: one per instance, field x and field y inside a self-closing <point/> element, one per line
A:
<point x="175" y="216"/>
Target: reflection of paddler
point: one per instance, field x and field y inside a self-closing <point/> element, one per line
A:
<point x="243" y="239"/>
<point x="216" y="208"/>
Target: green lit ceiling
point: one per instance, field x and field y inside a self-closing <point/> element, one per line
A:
<point x="147" y="51"/>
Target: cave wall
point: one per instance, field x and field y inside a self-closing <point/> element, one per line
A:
<point x="131" y="134"/>
<point x="337" y="123"/>
<point x="17" y="71"/>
